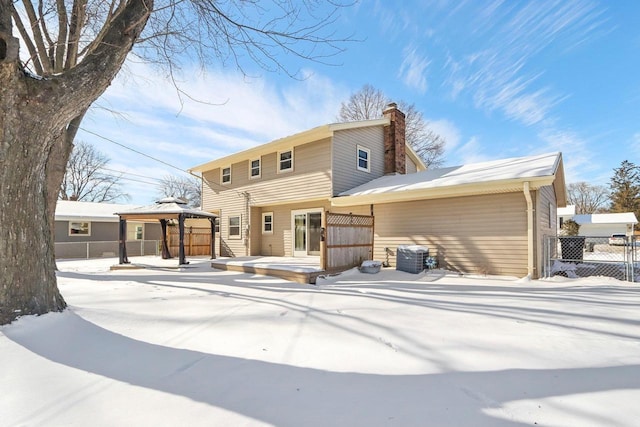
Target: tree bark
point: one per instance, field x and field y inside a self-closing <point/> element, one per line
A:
<point x="27" y="260"/>
<point x="36" y="115"/>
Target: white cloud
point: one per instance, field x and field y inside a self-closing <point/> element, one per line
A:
<point x="471" y="152"/>
<point x="498" y="70"/>
<point x="238" y="114"/>
<point x="413" y="70"/>
<point x="580" y="162"/>
<point x="448" y="130"/>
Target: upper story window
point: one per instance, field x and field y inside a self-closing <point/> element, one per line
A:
<point x="285" y="161"/>
<point x="254" y="169"/>
<point x="364" y="159"/>
<point x="225" y="177"/>
<point x="267" y="223"/>
<point x="79" y="228"/>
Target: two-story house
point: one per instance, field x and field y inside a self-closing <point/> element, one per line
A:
<point x="490" y="218"/>
<point x="271" y="198"/>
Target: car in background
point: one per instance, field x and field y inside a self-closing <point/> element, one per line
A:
<point x="618" y="240"/>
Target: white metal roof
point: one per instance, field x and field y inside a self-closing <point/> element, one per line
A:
<point x="67" y="210"/>
<point x="608" y="218"/>
<point x="567" y="211"/>
<point x="167" y="207"/>
<point x="476" y="178"/>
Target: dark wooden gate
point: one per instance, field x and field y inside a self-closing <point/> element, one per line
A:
<point x="348" y="241"/>
<point x="197" y="241"/>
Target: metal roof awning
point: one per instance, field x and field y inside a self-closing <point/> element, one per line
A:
<point x="169" y="208"/>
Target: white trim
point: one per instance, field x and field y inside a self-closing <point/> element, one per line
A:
<point x="222" y="175"/>
<point x="279" y="161"/>
<point x="233" y="236"/>
<point x="264" y="215"/>
<point x="259" y="160"/>
<point x="360" y="148"/>
<point x="79" y="234"/>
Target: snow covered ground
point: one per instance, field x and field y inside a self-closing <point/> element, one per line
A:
<point x="199" y="347"/>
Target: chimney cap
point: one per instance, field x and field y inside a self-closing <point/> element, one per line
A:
<point x="391" y="106"/>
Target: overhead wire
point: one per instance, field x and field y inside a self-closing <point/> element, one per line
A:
<point x="200" y="177"/>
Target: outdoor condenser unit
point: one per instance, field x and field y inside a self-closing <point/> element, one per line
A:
<point x="410" y="258"/>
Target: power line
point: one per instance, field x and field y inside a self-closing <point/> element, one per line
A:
<point x="132" y="174"/>
<point x="202" y="178"/>
<point x="135" y="151"/>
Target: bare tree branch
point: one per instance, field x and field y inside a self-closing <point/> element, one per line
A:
<point x="369" y="102"/>
<point x="188" y="189"/>
<point x="587" y="198"/>
<point x="84" y="179"/>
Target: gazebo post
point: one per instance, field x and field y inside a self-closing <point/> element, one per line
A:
<point x="212" y="221"/>
<point x="122" y="241"/>
<point x="181" y="231"/>
<point x="165" y="248"/>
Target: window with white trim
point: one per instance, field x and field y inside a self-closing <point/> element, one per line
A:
<point x="364" y="159"/>
<point x="235" y="227"/>
<point x="135" y="231"/>
<point x="267" y="223"/>
<point x="225" y="175"/>
<point x="285" y="161"/>
<point x="254" y="169"/>
<point x="77" y="228"/>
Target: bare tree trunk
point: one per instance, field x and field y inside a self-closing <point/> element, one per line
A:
<point x="36" y="120"/>
<point x="27" y="261"/>
<point x="56" y="165"/>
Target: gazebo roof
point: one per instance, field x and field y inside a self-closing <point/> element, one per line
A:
<point x="167" y="208"/>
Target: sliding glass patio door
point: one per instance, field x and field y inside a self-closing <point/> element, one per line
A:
<point x="307" y="230"/>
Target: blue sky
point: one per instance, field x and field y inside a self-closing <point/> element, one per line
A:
<point x="497" y="78"/>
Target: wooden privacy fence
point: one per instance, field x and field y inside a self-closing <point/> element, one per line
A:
<point x="348" y="240"/>
<point x="197" y="241"/>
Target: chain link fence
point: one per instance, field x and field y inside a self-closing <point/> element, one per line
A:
<point x="585" y="256"/>
<point x="105" y="249"/>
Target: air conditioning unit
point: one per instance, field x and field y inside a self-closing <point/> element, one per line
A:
<point x="410" y="258"/>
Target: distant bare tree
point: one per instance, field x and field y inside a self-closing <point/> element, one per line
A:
<point x="587" y="198"/>
<point x="85" y="180"/>
<point x="369" y="102"/>
<point x="188" y="189"/>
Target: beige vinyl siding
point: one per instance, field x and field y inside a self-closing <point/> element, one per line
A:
<point x="310" y="179"/>
<point x="355" y="210"/>
<point x="546" y="218"/>
<point x="410" y="166"/>
<point x="279" y="242"/>
<point x="255" y="231"/>
<point x="226" y="201"/>
<point x="345" y="172"/>
<point x="477" y="234"/>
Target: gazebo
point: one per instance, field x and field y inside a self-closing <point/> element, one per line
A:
<point x="164" y="210"/>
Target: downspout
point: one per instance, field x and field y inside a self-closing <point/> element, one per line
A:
<point x="530" y="246"/>
<point x="247" y="230"/>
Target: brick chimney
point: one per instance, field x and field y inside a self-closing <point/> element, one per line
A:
<point x="394" y="152"/>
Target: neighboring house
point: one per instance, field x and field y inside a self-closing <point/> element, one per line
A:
<point x="565" y="213"/>
<point x="486" y="218"/>
<point x="83" y="222"/>
<point x="601" y="225"/>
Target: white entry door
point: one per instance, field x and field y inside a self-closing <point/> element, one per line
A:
<point x="307" y="230"/>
